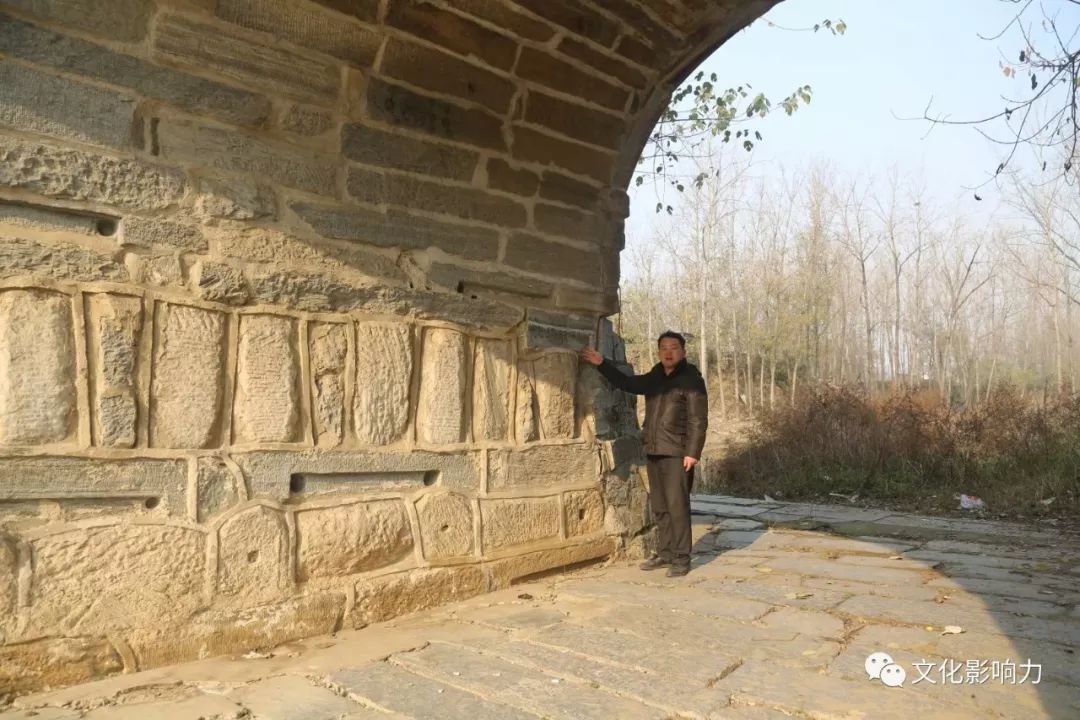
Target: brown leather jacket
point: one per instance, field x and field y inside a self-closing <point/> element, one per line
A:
<point x="676" y="407"/>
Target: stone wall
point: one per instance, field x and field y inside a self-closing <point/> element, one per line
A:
<point x="290" y="294"/>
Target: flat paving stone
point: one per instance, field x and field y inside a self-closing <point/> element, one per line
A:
<point x="731" y="500"/>
<point x="737" y="524"/>
<point x="842" y="571"/>
<point x="198" y="706"/>
<point x="745" y="511"/>
<point x="291" y="697"/>
<point x="688" y="599"/>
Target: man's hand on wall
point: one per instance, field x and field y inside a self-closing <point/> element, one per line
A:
<point x="688" y="463"/>
<point x="591" y="356"/>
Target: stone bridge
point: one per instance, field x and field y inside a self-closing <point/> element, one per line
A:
<point x="289" y="297"/>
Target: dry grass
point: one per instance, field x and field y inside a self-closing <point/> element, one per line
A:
<point x="912" y="451"/>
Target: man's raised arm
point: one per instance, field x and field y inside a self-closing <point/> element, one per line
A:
<point x="636" y="384"/>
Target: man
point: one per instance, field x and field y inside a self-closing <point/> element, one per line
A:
<point x="676" y="418"/>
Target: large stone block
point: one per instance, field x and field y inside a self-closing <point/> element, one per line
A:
<point x="440" y="412"/>
<point x="555" y="375"/>
<point x="218" y="282"/>
<point x="467" y="203"/>
<point x="328" y="345"/>
<point x="123" y="20"/>
<point x="186" y="392"/>
<point x="546" y="69"/>
<point x="349" y="539"/>
<point x="584" y="512"/>
<point x="37" y="368"/>
<point x="80" y="175"/>
<point x="557" y="330"/>
<point x="527" y="426"/>
<point x="9" y="583"/>
<point x="235" y="199"/>
<point x="279" y="475"/>
<point x="543" y="466"/>
<point x="366" y="10"/>
<point x="107" y="579"/>
<point x="218" y="488"/>
<point x="253" y="556"/>
<point x="492" y="372"/>
<point x="508" y="18"/>
<point x="400" y="230"/>
<point x="397" y="152"/>
<point x="395" y="105"/>
<point x="35" y="102"/>
<point x="114" y="325"/>
<point x="519" y="568"/>
<point x="307" y="26"/>
<point x="559" y="187"/>
<point x="388" y="597"/>
<point x="504" y="176"/>
<point x="534" y="254"/>
<point x="518" y="521"/>
<point x="446" y="525"/>
<point x="453" y="32"/>
<point x="195" y="94"/>
<point x="578" y="19"/>
<point x="384" y="366"/>
<point x="267" y="381"/>
<point x="208" y="47"/>
<point x="233" y="151"/>
<point x="412" y="63"/>
<point x="608" y="63"/>
<point x="306" y="120"/>
<point x="147" y="232"/>
<point x="575" y="120"/>
<point x="533" y="146"/>
<point x="36" y="665"/>
<point x="218" y="632"/>
<point x="64" y="479"/>
<point x="470" y="282"/>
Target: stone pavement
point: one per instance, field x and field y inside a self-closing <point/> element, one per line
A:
<point x="777" y="619"/>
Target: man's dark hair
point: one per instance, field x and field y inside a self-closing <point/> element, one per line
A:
<point x="674" y="335"/>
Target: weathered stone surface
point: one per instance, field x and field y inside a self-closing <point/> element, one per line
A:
<point x="235" y="152"/>
<point x="348" y="539"/>
<point x="218" y="488"/>
<point x="286" y="697"/>
<point x="53" y="219"/>
<point x="396" y="229"/>
<point x="584" y="512"/>
<point x="253" y="556"/>
<point x="467" y="203"/>
<point x="189" y="92"/>
<point x="503" y="176"/>
<point x="575" y="121"/>
<point x="79" y="175"/>
<point x="159" y="270"/>
<point x="115" y="326"/>
<point x="492" y="370"/>
<point x="555" y="375"/>
<point x="235" y="199"/>
<point x="576" y="18"/>
<point x="559" y="187"/>
<point x="366" y="10"/>
<point x="203" y="46"/>
<point x="353" y="473"/>
<point x="609" y="64"/>
<point x="123" y="20"/>
<point x="551" y="330"/>
<point x="626" y="504"/>
<point x="534" y="254"/>
<point x="527" y="426"/>
<point x="470" y="282"/>
<point x="104" y="579"/>
<point x="32" y="101"/>
<point x="508" y="18"/>
<point x="267" y="381"/>
<point x="620" y="451"/>
<point x="546" y="69"/>
<point x="384" y="365"/>
<point x="395" y="105"/>
<point x="372" y="146"/>
<point x="9" y="582"/>
<point x="518" y="521"/>
<point x="218" y="282"/>
<point x="543" y="466"/>
<point x="573" y="224"/>
<point x="393" y="595"/>
<point x="329" y="347"/>
<point x="412" y="64"/>
<point x="306" y="26"/>
<point x="217" y="632"/>
<point x="57" y="260"/>
<point x="147" y="232"/>
<point x="35" y="665"/>
<point x="306" y="120"/>
<point x="509" y="570"/>
<point x="37" y="368"/>
<point x="533" y="146"/>
<point x="454" y="33"/>
<point x="440" y="412"/>
<point x="186" y="391"/>
<point x="446" y="525"/>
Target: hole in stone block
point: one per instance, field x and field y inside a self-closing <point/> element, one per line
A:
<point x="151" y="503"/>
<point x="581" y="514"/>
<point x="253" y="556"/>
<point x="431" y="477"/>
<point x="444" y="528"/>
<point x="106" y="227"/>
<point x="296" y="484"/>
<point x="461" y="286"/>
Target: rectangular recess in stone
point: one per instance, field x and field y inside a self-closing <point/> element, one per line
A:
<point x="209" y="47"/>
<point x="69" y="478"/>
<point x="188" y="377"/>
<point x="517" y="521"/>
<point x="491" y="389"/>
<point x="114" y="327"/>
<point x="384" y="365"/>
<point x="233" y="151"/>
<point x="267" y="404"/>
<point x="345" y="482"/>
<point x="35" y="102"/>
<point x="49" y="219"/>
<point x="304" y="25"/>
<point x="38" y="402"/>
<point x="440" y="412"/>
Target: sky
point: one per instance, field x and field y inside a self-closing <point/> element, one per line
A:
<point x="894" y="58"/>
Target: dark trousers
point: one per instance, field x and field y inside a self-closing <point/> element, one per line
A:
<point x="669" y="498"/>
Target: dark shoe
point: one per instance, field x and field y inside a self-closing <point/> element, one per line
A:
<point x="678" y="570"/>
<point x="654" y="563"/>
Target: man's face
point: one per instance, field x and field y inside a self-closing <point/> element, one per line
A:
<point x="671" y="353"/>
